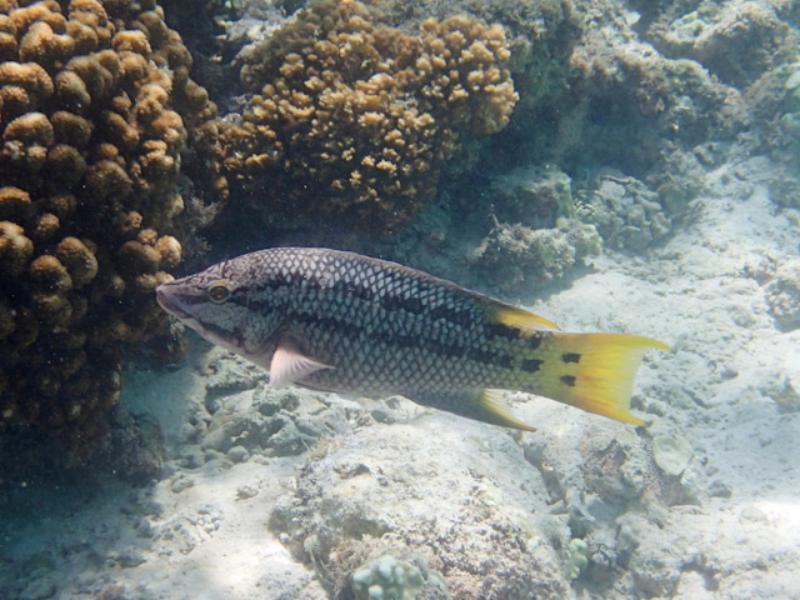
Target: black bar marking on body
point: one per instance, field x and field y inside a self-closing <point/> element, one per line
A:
<point x="568" y="380"/>
<point x="460" y="317"/>
<point x="531" y="365"/>
<point x="406" y="303"/>
<point x="534" y="340"/>
<point x="571" y="357"/>
<point x="503" y="331"/>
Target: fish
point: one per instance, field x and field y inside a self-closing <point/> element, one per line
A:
<point x="342" y="322"/>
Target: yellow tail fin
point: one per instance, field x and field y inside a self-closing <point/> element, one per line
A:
<point x="594" y="371"/>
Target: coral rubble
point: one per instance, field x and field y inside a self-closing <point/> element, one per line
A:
<point x="467" y="537"/>
<point x="96" y="108"/>
<point x="513" y="256"/>
<point x="355" y="120"/>
<point x="627" y="214"/>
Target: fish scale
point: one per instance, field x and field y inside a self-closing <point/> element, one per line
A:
<point x="344" y="322"/>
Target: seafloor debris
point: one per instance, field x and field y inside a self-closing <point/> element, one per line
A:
<point x="351" y="506"/>
<point x="96" y="109"/>
<point x="738" y="44"/>
<point x="783" y="295"/>
<point x="386" y="577"/>
<point x="514" y="256"/>
<point x="627" y="215"/>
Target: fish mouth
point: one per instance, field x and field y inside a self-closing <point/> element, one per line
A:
<point x="168" y="300"/>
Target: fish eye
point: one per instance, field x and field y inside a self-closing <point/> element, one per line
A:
<point x="218" y="292"/>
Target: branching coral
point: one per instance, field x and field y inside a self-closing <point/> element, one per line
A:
<point x="96" y="107"/>
<point x="355" y="120"/>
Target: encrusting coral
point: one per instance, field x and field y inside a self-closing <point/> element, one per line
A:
<point x="96" y="108"/>
<point x="355" y="120"/>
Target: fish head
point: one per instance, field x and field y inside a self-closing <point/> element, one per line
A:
<point x="221" y="305"/>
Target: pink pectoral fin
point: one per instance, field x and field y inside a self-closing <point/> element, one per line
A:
<point x="289" y="365"/>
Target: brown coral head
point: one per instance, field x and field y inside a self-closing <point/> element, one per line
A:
<point x="96" y="109"/>
<point x="363" y="115"/>
<point x="15" y="249"/>
<point x="48" y="274"/>
<point x="78" y="259"/>
<point x="14" y="203"/>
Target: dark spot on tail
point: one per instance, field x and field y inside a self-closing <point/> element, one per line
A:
<point x="568" y="380"/>
<point x="571" y="357"/>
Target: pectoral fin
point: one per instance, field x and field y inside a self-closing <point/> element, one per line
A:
<point x="290" y="365"/>
<point x="481" y="405"/>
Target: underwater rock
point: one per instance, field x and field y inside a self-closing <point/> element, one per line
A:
<point x="737" y="41"/>
<point x="634" y="105"/>
<point x="783" y="295"/>
<point x="654" y="566"/>
<point x="187" y="531"/>
<point x="386" y="578"/>
<point x="226" y="374"/>
<point x="468" y="523"/>
<point x="601" y="477"/>
<point x="516" y="257"/>
<point x="774" y="103"/>
<point x="532" y="196"/>
<point x="672" y="454"/>
<point x="133" y="450"/>
<point x="786" y="393"/>
<point x="274" y="422"/>
<point x="627" y="215"/>
<point x="577" y="558"/>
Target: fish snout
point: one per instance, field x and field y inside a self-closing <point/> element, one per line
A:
<point x="168" y="299"/>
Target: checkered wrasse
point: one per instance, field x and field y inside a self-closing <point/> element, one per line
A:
<point x="342" y="322"/>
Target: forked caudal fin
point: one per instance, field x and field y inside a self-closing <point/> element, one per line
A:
<point x="594" y="371"/>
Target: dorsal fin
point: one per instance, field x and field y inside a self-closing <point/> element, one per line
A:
<point x="519" y="318"/>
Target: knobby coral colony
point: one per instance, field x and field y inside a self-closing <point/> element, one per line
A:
<point x="96" y="106"/>
<point x="354" y="120"/>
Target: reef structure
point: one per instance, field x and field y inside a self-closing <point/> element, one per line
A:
<point x="353" y="120"/>
<point x="96" y="108"/>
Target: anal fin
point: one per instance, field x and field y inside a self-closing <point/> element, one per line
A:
<point x="480" y="405"/>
